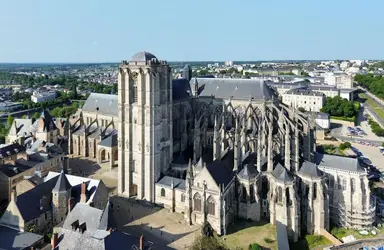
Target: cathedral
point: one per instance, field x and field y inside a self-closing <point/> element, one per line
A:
<point x="219" y="150"/>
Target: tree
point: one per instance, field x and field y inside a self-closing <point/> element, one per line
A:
<point x="10" y="120"/>
<point x="255" y="246"/>
<point x="301" y="109"/>
<point x="24" y="117"/>
<point x="36" y="115"/>
<point x="207" y="243"/>
<point x="345" y="145"/>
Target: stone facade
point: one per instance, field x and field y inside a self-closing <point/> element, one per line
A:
<point x="222" y="149"/>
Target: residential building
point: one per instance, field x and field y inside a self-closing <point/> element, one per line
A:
<point x="47" y="204"/>
<point x="304" y="98"/>
<point x="43" y="96"/>
<point x="328" y="91"/>
<point x="349" y="94"/>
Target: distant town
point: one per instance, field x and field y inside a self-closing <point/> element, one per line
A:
<point x="150" y="154"/>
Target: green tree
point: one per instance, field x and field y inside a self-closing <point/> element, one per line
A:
<point x="36" y="115"/>
<point x="10" y="120"/>
<point x="207" y="243"/>
<point x="255" y="246"/>
<point x="345" y="145"/>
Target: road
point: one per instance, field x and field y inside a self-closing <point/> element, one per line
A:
<point x="378" y="102"/>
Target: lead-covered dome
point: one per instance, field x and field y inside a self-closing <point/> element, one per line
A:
<point x="142" y="57"/>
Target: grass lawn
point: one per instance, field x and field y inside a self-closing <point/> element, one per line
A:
<point x="244" y="233"/>
<point x="311" y="242"/>
<point x="379" y="110"/>
<point x="342" y="232"/>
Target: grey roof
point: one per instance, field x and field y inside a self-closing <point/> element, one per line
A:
<point x="310" y="169"/>
<point x="301" y="91"/>
<point x="167" y="181"/>
<point x="11" y="239"/>
<point x="110" y="241"/>
<point x="110" y="141"/>
<point x="142" y="57"/>
<point x="338" y="162"/>
<point x="11" y="149"/>
<point x="49" y="124"/>
<point x="248" y="172"/>
<point x="22" y="127"/>
<point x="104" y="104"/>
<point x="347" y="90"/>
<point x="11" y="170"/>
<point x="84" y="214"/>
<point x="323" y="87"/>
<point x="239" y="89"/>
<point x="222" y="170"/>
<point x="62" y="183"/>
<point x="181" y="89"/>
<point x="281" y="173"/>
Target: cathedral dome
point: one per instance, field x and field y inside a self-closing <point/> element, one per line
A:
<point x="142" y="57"/>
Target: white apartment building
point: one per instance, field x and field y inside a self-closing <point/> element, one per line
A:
<point x="340" y="80"/>
<point x="43" y="96"/>
<point x="328" y="91"/>
<point x="304" y="98"/>
<point x="228" y="63"/>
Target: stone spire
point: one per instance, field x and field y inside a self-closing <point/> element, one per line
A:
<point x="216" y="141"/>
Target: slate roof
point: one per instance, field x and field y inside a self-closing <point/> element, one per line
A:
<point x="11" y="170"/>
<point x="115" y="240"/>
<point x="104" y="104"/>
<point x="142" y="56"/>
<point x="338" y="162"/>
<point x="84" y="213"/>
<point x="249" y="170"/>
<point x="29" y="202"/>
<point x="181" y="89"/>
<point x="11" y="149"/>
<point x="110" y="141"/>
<point x="11" y="239"/>
<point x="238" y="89"/>
<point x="310" y="169"/>
<point x="222" y="170"/>
<point x="167" y="181"/>
<point x="21" y="127"/>
<point x="281" y="173"/>
<point x="300" y="91"/>
<point x="62" y="183"/>
<point x="49" y="124"/>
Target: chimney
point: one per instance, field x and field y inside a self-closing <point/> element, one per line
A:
<point x="141" y="242"/>
<point x="14" y="195"/>
<point x="71" y="202"/>
<point x="83" y="196"/>
<point x="54" y="241"/>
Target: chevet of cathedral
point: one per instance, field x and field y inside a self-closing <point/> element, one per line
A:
<point x="219" y="150"/>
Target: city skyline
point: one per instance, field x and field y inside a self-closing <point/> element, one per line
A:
<point x="98" y="32"/>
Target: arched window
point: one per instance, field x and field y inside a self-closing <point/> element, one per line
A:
<point x="197" y="202"/>
<point x="211" y="206"/>
<point x="162" y="192"/>
<point x="252" y="193"/>
<point x="315" y="191"/>
<point x="182" y="197"/>
<point x="280" y="194"/>
<point x="289" y="202"/>
<point x="243" y="194"/>
<point x="339" y="182"/>
<point x="344" y="184"/>
<point x="353" y="185"/>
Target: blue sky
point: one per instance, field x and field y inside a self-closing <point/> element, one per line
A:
<point x="194" y="30"/>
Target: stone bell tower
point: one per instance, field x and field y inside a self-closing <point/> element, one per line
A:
<point x="145" y="124"/>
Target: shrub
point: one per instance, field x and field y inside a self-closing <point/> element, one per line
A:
<point x="255" y="246"/>
<point x="345" y="145"/>
<point x="268" y="240"/>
